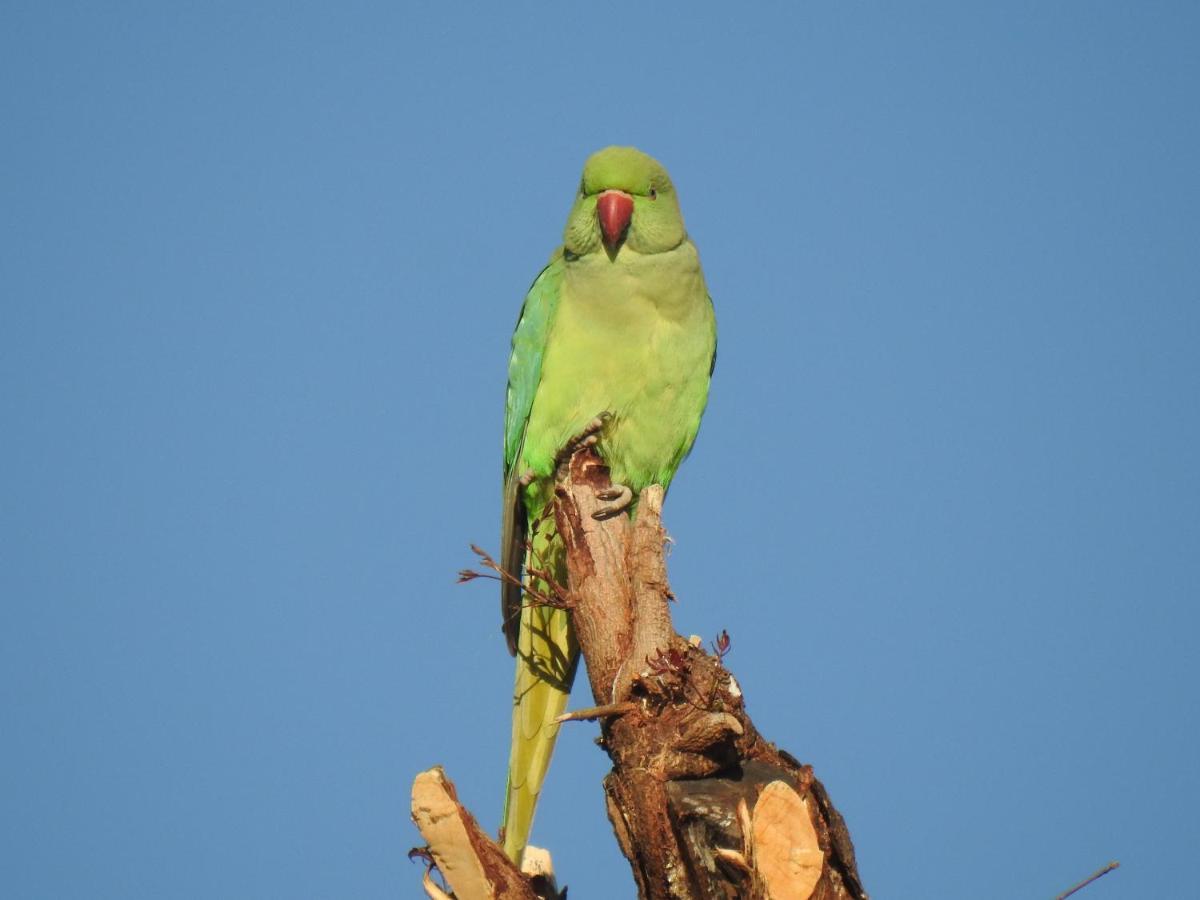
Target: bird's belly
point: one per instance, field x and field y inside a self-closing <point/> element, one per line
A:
<point x="642" y="358"/>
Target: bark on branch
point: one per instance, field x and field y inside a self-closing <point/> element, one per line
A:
<point x="703" y="807"/>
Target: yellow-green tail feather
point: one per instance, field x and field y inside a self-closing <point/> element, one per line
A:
<point x="546" y="657"/>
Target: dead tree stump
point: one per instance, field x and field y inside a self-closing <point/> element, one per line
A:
<point x="703" y="807"/>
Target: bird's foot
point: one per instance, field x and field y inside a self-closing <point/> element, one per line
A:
<point x="616" y="499"/>
<point x="588" y="437"/>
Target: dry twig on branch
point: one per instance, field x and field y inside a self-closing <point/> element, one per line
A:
<point x="702" y="806"/>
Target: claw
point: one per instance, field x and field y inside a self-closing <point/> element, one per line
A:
<point x="588" y="437"/>
<point x="616" y="500"/>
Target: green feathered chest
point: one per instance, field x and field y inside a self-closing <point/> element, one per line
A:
<point x="633" y="337"/>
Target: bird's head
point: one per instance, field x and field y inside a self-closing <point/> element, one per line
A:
<point x="625" y="199"/>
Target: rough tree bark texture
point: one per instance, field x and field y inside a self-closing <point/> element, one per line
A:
<point x="703" y="807"/>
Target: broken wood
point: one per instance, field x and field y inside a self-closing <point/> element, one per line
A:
<point x="702" y="806"/>
<point x="688" y="754"/>
<point x="473" y="866"/>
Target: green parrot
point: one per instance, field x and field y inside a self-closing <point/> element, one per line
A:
<point x="616" y="339"/>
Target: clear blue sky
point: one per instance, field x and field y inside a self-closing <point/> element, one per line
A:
<point x="258" y="272"/>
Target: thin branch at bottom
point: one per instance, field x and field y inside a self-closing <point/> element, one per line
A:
<point x="597" y="712"/>
<point x="1097" y="874"/>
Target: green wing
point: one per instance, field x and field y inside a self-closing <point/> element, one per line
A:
<point x="524" y="374"/>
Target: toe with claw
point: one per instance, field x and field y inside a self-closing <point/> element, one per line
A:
<point x="588" y="437"/>
<point x="616" y="500"/>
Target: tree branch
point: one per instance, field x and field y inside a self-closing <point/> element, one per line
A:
<point x="703" y="807"/>
<point x="687" y="757"/>
<point x="473" y="865"/>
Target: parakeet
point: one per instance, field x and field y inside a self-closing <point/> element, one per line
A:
<point x="618" y="334"/>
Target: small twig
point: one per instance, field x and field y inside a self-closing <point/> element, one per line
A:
<point x="557" y="597"/>
<point x="1097" y="874"/>
<point x="721" y="646"/>
<point x="597" y="712"/>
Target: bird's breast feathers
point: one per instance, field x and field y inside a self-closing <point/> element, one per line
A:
<point x="633" y="337"/>
<point x="637" y="289"/>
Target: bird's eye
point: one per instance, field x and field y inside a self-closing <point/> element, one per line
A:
<point x="653" y="194"/>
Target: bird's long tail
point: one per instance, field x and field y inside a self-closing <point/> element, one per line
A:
<point x="546" y="659"/>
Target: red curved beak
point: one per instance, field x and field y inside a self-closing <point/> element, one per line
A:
<point x="614" y="209"/>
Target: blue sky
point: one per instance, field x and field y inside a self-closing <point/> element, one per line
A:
<point x="258" y="273"/>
